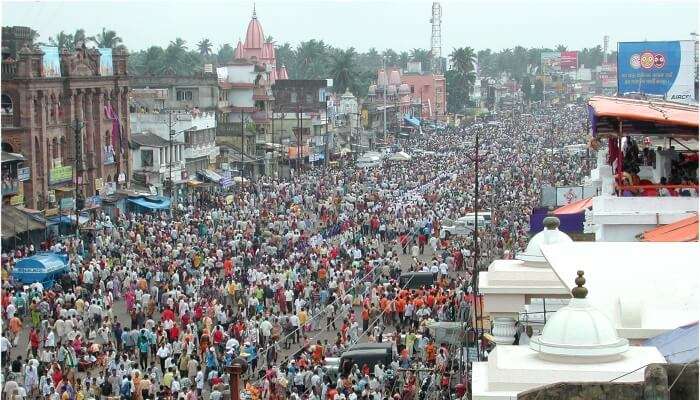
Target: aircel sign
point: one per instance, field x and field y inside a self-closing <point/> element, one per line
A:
<point x="657" y="68"/>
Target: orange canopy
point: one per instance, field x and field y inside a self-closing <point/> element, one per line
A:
<point x="644" y="110"/>
<point x="575" y="207"/>
<point x="685" y="230"/>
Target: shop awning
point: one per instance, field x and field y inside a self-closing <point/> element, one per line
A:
<point x="412" y="121"/>
<point x="679" y="345"/>
<point x="575" y="207"/>
<point x="10" y="157"/>
<point x="642" y="117"/>
<point x="685" y="230"/>
<point x="67" y="219"/>
<point x="210" y="175"/>
<point x="152" y="203"/>
<point x="15" y="222"/>
<point x="194" y="183"/>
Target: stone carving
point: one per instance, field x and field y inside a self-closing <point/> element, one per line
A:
<point x="82" y="62"/>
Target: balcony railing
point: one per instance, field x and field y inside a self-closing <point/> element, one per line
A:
<point x="222" y="104"/>
<point x="10" y="186"/>
<point x="9" y="69"/>
<point x="231" y="129"/>
<point x="8" y="120"/>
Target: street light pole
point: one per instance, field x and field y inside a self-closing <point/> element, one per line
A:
<point x="385" y="85"/>
<point x="79" y="201"/>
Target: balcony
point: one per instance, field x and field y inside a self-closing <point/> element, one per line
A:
<point x="231" y="129"/>
<point x="262" y="94"/>
<point x="10" y="187"/>
<point x="222" y="104"/>
<point x="9" y="69"/>
<point x="8" y="120"/>
<point x="260" y="117"/>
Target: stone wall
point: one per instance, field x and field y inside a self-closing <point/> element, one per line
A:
<point x="658" y="379"/>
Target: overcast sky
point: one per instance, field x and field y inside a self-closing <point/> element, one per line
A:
<point x="400" y="24"/>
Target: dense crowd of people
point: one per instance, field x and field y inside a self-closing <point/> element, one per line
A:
<point x="286" y="275"/>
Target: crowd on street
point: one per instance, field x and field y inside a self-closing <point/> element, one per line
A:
<point x="287" y="274"/>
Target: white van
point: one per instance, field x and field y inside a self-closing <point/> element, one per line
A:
<point x="462" y="226"/>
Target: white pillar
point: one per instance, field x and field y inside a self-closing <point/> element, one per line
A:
<point x="503" y="330"/>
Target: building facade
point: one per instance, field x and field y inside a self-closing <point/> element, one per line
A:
<point x="244" y="121"/>
<point x="44" y="94"/>
<point x="175" y="92"/>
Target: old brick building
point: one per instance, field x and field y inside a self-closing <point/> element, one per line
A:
<point x="43" y="95"/>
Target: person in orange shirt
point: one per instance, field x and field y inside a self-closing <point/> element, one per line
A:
<point x="430" y="353"/>
<point x="318" y="353"/>
<point x="400" y="308"/>
<point x="228" y="267"/>
<point x="15" y="326"/>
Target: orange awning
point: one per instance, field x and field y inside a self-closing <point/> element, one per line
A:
<point x="644" y="110"/>
<point x="575" y="207"/>
<point x="685" y="230"/>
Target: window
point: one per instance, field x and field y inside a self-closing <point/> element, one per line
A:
<point x="6" y="104"/>
<point x="146" y="158"/>
<point x="293" y="97"/>
<point x="183" y="95"/>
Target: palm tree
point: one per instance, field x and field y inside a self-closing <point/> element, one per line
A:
<point x="176" y="56"/>
<point x="423" y="56"/>
<point x="106" y="39"/>
<point x="560" y="47"/>
<point x="179" y="44"/>
<point x="309" y="57"/>
<point x="463" y="60"/>
<point x="204" y="47"/>
<point x="392" y="59"/>
<point x="403" y="59"/>
<point x="285" y="56"/>
<point x="154" y="60"/>
<point x="269" y="39"/>
<point x="79" y="36"/>
<point x="225" y="54"/>
<point x="343" y="70"/>
<point x="64" y="41"/>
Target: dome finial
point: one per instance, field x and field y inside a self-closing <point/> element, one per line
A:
<point x="551" y="222"/>
<point x="254" y="15"/>
<point x="579" y="292"/>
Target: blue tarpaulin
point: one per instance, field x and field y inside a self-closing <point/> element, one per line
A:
<point x="152" y="203"/>
<point x="679" y="345"/>
<point x="412" y="121"/>
<point x="67" y="219"/>
<point x="43" y="267"/>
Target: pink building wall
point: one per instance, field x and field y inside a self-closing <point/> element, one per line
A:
<point x="431" y="90"/>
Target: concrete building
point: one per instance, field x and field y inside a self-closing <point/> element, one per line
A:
<point x="244" y="122"/>
<point x="175" y="92"/>
<point x="578" y="344"/>
<point x="193" y="150"/>
<point x="43" y="94"/>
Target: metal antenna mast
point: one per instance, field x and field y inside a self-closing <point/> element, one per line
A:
<point x="435" y="40"/>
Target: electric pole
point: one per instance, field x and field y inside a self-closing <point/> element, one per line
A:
<point x="79" y="168"/>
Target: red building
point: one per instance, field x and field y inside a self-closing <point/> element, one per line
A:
<point x="43" y="95"/>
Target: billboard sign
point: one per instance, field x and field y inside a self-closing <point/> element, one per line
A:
<point x="569" y="194"/>
<point x="51" y="61"/>
<point x="23" y="174"/>
<point x="60" y="174"/>
<point x="568" y="60"/>
<point x="608" y="75"/>
<point x="106" y="64"/>
<point x="657" y="68"/>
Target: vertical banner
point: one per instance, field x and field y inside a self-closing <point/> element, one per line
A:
<point x="568" y="60"/>
<point x="106" y="64"/>
<point x="657" y="68"/>
<point x="51" y="61"/>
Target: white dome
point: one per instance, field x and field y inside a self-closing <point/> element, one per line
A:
<point x="549" y="235"/>
<point x="579" y="332"/>
<point x="391" y="90"/>
<point x="404" y="89"/>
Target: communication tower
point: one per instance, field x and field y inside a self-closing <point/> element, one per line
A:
<point x="606" y="44"/>
<point x="435" y="41"/>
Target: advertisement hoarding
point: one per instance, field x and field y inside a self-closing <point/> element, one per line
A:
<point x="568" y="60"/>
<point x="106" y="63"/>
<point x="23" y="174"/>
<point x="60" y="174"/>
<point x="657" y="68"/>
<point x="608" y="75"/>
<point x="569" y="194"/>
<point x="51" y="61"/>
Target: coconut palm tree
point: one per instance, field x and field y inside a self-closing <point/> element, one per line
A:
<point x="176" y="56"/>
<point x="79" y="36"/>
<point x="309" y="57"/>
<point x="463" y="60"/>
<point x="64" y="41"/>
<point x="392" y="59"/>
<point x="343" y="70"/>
<point x="106" y="39"/>
<point x="560" y="47"/>
<point x="423" y="56"/>
<point x="403" y="59"/>
<point x="286" y="56"/>
<point x="225" y="54"/>
<point x="204" y="47"/>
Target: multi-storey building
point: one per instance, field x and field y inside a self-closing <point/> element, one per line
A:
<point x="44" y="93"/>
<point x="244" y="123"/>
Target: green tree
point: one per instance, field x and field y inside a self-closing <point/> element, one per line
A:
<point x="343" y="70"/>
<point x="176" y="58"/>
<point x="423" y="56"/>
<point x="106" y="39"/>
<point x="538" y="92"/>
<point x="560" y="47"/>
<point x="154" y="60"/>
<point x="204" y="47"/>
<point x="310" y="59"/>
<point x="285" y="56"/>
<point x="392" y="59"/>
<point x="64" y="41"/>
<point x="225" y="54"/>
<point x="404" y="57"/>
<point x="526" y="88"/>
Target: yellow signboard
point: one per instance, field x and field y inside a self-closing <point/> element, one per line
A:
<point x="61" y="174"/>
<point x="98" y="184"/>
<point x="17" y="200"/>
